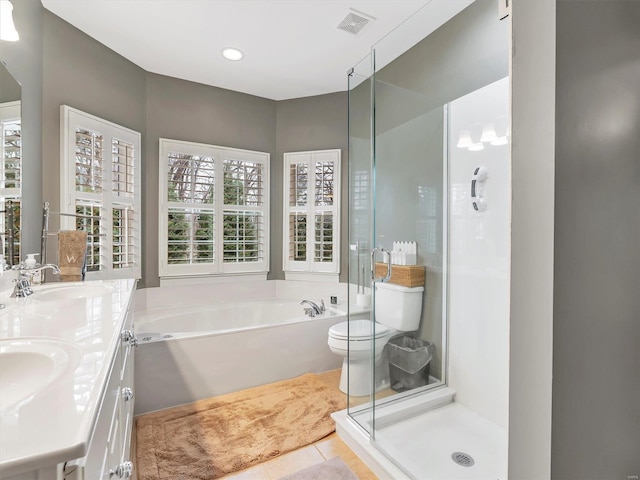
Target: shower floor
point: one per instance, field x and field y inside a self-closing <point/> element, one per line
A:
<point x="437" y="434"/>
<point x="423" y="444"/>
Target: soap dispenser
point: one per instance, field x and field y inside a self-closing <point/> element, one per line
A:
<point x="30" y="261"/>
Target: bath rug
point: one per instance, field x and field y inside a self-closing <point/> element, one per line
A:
<point x="211" y="438"/>
<point x="334" y="469"/>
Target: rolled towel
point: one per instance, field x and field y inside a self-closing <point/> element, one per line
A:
<point x="72" y="249"/>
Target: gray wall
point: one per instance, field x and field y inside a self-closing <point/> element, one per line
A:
<point x="596" y="334"/>
<point x="189" y="111"/>
<point x="10" y="90"/>
<point x="81" y="72"/>
<point x="58" y="64"/>
<point x="468" y="52"/>
<point x="24" y="61"/>
<point x="310" y="123"/>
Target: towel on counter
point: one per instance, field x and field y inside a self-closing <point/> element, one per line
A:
<point x="72" y="249"/>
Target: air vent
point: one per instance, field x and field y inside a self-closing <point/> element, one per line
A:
<point x="354" y="22"/>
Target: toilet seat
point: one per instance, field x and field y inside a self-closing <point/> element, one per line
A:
<point x="358" y="330"/>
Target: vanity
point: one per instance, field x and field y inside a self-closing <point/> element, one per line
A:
<point x="66" y="382"/>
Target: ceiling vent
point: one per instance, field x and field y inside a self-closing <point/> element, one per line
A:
<point x="354" y="22"/>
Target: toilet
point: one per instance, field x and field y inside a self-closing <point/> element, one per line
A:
<point x="397" y="309"/>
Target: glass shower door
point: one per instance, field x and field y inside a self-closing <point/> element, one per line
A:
<point x="396" y="191"/>
<point x="409" y="205"/>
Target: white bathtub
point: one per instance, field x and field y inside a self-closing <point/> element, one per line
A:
<point x="222" y="318"/>
<point x="197" y="344"/>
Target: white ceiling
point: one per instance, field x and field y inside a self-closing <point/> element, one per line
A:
<point x="292" y="48"/>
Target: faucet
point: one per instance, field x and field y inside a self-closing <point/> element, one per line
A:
<point x="23" y="286"/>
<point x="25" y="276"/>
<point x="35" y="274"/>
<point x="315" y="308"/>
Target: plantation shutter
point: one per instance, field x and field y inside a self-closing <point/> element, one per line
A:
<point x="213" y="209"/>
<point x="312" y="206"/>
<point x="101" y="186"/>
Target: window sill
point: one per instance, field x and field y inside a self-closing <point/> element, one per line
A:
<point x="185" y="280"/>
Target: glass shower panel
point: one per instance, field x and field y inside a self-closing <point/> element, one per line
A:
<point x="413" y="174"/>
<point x="360" y="406"/>
<point x="410" y="152"/>
<point x="410" y="206"/>
<point x="410" y="192"/>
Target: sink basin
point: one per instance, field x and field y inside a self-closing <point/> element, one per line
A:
<point x="71" y="292"/>
<point x="28" y="365"/>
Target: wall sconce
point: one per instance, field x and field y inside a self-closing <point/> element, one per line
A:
<point x="464" y="140"/>
<point x="502" y="132"/>
<point x="8" y="30"/>
<point x="477" y="135"/>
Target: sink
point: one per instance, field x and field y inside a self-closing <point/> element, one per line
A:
<point x="71" y="292"/>
<point x="29" y="365"/>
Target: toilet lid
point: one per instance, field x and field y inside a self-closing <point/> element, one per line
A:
<point x="358" y="329"/>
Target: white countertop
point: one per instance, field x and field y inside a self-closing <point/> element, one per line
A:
<point x="56" y="422"/>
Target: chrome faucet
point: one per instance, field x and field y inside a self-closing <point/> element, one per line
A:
<point x="23" y="286"/>
<point x="314" y="309"/>
<point x="54" y="268"/>
<point x="25" y="277"/>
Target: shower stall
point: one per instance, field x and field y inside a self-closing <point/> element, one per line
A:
<point x="429" y="162"/>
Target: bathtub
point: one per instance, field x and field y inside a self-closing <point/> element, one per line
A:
<point x="198" y="344"/>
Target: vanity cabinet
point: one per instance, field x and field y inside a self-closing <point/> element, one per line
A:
<point x="109" y="455"/>
<point x="103" y="434"/>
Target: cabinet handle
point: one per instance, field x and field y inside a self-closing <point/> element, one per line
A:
<point x="124" y="470"/>
<point x="127" y="394"/>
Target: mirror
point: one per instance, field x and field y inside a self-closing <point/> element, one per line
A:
<point x="10" y="165"/>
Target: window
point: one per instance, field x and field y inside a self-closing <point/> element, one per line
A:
<point x="101" y="188"/>
<point x="312" y="212"/>
<point x="214" y="204"/>
<point x="10" y="176"/>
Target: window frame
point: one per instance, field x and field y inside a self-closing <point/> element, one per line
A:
<point x="298" y="269"/>
<point x="218" y="208"/>
<point x="70" y="119"/>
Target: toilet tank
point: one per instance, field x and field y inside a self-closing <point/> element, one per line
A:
<point x="397" y="306"/>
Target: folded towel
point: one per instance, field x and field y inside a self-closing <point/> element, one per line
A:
<point x="72" y="249"/>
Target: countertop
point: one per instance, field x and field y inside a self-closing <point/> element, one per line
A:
<point x="55" y="424"/>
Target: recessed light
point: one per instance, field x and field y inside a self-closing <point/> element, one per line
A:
<point x="232" y="54"/>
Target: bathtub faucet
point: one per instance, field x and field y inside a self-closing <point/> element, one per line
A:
<point x="315" y="308"/>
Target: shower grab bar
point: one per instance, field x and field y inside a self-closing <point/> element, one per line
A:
<point x="373" y="264"/>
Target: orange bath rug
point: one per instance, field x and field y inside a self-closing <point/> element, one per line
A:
<point x="211" y="438"/>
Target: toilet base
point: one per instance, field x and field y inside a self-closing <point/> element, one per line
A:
<point x="355" y="378"/>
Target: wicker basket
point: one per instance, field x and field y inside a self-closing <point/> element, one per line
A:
<point x="405" y="275"/>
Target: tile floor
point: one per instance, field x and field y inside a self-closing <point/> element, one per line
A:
<point x="325" y="449"/>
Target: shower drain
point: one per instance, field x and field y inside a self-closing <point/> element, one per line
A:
<point x="463" y="459"/>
